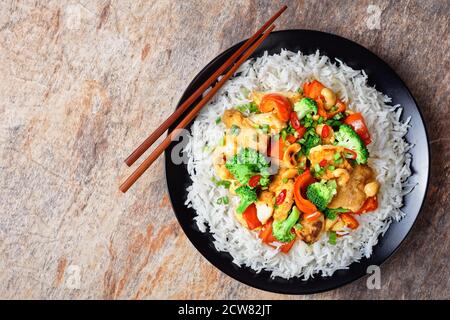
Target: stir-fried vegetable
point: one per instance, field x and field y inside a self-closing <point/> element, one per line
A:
<point x="356" y="121"/>
<point x="300" y="185"/>
<point x="266" y="235"/>
<point x="251" y="218"/>
<point x="304" y="107"/>
<point x="370" y="204"/>
<point x="248" y="163"/>
<point x="250" y="107"/>
<point x="349" y="220"/>
<point x="313" y="89"/>
<point x="310" y="140"/>
<point x="282" y="230"/>
<point x="321" y="193"/>
<point x="278" y="103"/>
<point x="348" y="138"/>
<point x="247" y="196"/>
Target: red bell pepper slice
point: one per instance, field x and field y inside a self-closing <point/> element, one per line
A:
<point x="356" y="121"/>
<point x="251" y="218"/>
<point x="371" y="204"/>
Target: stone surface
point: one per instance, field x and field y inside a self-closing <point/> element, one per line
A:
<point x="82" y="83"/>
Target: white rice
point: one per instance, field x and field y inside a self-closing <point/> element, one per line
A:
<point x="388" y="156"/>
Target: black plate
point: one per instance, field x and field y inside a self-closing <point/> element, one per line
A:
<point x="386" y="81"/>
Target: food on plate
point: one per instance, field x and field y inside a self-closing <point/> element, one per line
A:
<point x="301" y="166"/>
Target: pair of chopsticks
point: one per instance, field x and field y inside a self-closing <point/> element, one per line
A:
<point x="232" y="66"/>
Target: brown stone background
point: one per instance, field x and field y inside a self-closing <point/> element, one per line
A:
<point x="83" y="82"/>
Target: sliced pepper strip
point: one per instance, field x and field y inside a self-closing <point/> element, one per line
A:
<point x="251" y="217"/>
<point x="349" y="220"/>
<point x="301" y="182"/>
<point x="371" y="204"/>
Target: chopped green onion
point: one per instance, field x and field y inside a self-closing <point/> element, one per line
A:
<point x="265" y="128"/>
<point x="218" y="120"/>
<point x="336" y="156"/>
<point x="224" y="183"/>
<point x="316" y="167"/>
<point x="235" y="130"/>
<point x="332" y="237"/>
<point x="331" y="168"/>
<point x="222" y="141"/>
<point x="285" y="180"/>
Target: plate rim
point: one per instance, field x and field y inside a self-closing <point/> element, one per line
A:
<point x="351" y="279"/>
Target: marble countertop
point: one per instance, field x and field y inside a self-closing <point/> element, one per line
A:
<point x="83" y="82"/>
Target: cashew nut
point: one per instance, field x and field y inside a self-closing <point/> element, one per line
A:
<point x="329" y="96"/>
<point x="371" y="189"/>
<point x="342" y="176"/>
<point x="289" y="155"/>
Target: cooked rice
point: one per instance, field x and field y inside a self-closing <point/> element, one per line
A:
<point x="388" y="156"/>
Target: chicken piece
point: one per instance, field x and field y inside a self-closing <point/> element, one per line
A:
<point x="277" y="186"/>
<point x="232" y="117"/>
<point x="268" y="118"/>
<point x="293" y="97"/>
<point x="264" y="206"/>
<point x="351" y="195"/>
<point x="311" y="231"/>
<point x="247" y="135"/>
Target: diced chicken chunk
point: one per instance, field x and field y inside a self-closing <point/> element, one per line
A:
<point x="311" y="231"/>
<point x="351" y="195"/>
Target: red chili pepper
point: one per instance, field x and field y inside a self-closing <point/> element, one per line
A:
<point x="323" y="163"/>
<point x="266" y="233"/>
<point x="254" y="181"/>
<point x="295" y="123"/>
<point x="281" y="196"/>
<point x="325" y="131"/>
<point x="291" y="139"/>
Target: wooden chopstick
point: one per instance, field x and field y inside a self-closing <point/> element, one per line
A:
<point x="190" y="116"/>
<point x="179" y="111"/>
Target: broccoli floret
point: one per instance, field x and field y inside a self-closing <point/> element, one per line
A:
<point x="347" y="137"/>
<point x="247" y="163"/>
<point x="247" y="195"/>
<point x="321" y="193"/>
<point x="305" y="106"/>
<point x="282" y="229"/>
